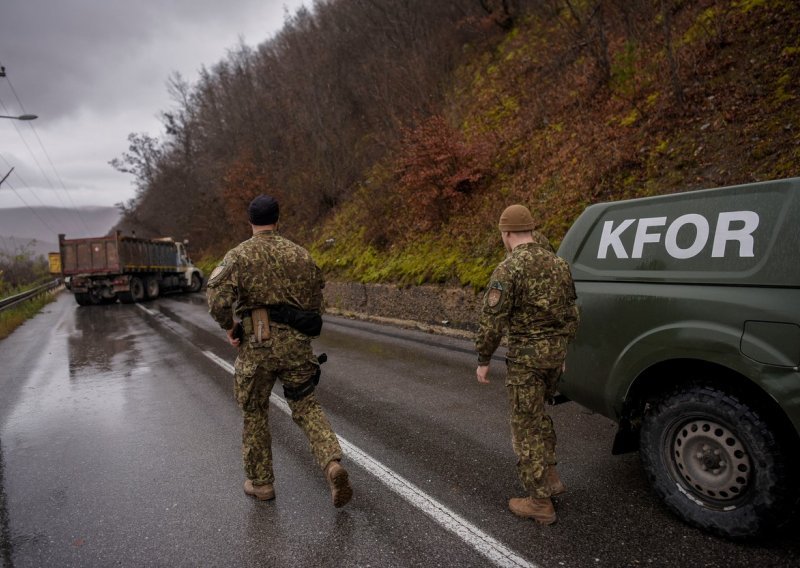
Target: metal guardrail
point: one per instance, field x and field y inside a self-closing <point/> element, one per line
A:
<point x="12" y="301"/>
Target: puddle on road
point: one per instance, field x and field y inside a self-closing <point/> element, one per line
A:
<point x="98" y="337"/>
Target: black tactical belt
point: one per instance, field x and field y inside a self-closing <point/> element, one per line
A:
<point x="307" y="323"/>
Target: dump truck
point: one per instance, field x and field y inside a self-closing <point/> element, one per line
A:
<point x="102" y="270"/>
<point x="690" y="340"/>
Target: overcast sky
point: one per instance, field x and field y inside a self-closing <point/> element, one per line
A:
<point x="96" y="70"/>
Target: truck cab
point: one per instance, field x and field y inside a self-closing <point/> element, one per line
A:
<point x="183" y="256"/>
<point x="690" y="340"/>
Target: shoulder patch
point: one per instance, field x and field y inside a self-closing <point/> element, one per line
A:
<point x="495" y="294"/>
<point x="218" y="274"/>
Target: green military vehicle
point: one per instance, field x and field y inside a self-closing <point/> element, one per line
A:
<point x="690" y="340"/>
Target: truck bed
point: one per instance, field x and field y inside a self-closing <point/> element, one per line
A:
<point x="115" y="254"/>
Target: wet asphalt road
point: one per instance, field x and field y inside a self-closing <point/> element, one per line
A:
<point x="119" y="445"/>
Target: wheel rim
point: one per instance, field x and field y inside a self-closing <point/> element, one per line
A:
<point x="710" y="461"/>
<point x="152" y="287"/>
<point x="137" y="289"/>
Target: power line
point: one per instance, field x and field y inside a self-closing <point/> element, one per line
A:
<point x="36" y="161"/>
<point x="41" y="169"/>
<point x="32" y="210"/>
<point x="29" y="188"/>
<point x="30" y="151"/>
<point x="33" y="155"/>
<point x="47" y="155"/>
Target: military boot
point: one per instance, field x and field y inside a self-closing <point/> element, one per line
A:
<point x="260" y="492"/>
<point x="554" y="482"/>
<point x="540" y="510"/>
<point x="339" y="483"/>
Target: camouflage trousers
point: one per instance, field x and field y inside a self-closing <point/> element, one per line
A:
<point x="253" y="391"/>
<point x="532" y="432"/>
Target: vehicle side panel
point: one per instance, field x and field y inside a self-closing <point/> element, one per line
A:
<point x="627" y="328"/>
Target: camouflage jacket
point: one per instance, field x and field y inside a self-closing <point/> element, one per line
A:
<point x="266" y="269"/>
<point x="531" y="294"/>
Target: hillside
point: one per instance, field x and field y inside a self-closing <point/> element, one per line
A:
<point x="395" y="133"/>
<point x="538" y="125"/>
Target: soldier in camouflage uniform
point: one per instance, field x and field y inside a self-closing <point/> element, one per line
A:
<point x="268" y="270"/>
<point x="531" y="294"/>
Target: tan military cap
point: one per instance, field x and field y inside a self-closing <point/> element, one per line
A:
<point x="516" y="218"/>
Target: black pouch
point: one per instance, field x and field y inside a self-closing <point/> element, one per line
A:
<point x="297" y="392"/>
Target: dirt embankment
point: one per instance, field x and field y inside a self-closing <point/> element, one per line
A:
<point x="451" y="311"/>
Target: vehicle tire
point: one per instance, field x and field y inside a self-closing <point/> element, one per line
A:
<point x="135" y="294"/>
<point x="86" y="299"/>
<point x="197" y="283"/>
<point x="152" y="288"/>
<point x="715" y="462"/>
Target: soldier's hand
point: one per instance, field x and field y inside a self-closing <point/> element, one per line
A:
<point x="231" y="339"/>
<point x="482" y="373"/>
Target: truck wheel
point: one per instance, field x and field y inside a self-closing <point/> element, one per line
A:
<point x="715" y="462"/>
<point x="152" y="288"/>
<point x="196" y="284"/>
<point x="86" y="299"/>
<point x="135" y="294"/>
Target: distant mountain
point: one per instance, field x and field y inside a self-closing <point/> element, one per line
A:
<point x="20" y="226"/>
<point x="15" y="245"/>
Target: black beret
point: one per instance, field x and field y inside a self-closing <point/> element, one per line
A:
<point x="263" y="210"/>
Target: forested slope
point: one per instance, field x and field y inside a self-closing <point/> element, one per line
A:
<point x="395" y="132"/>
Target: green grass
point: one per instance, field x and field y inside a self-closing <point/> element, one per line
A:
<point x="207" y="264"/>
<point x="14" y="317"/>
<point x="428" y="260"/>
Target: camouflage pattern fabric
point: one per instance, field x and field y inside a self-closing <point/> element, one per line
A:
<point x="532" y="432"/>
<point x="263" y="270"/>
<point x="256" y="374"/>
<point x="542" y="241"/>
<point x="531" y="296"/>
<point x="268" y="269"/>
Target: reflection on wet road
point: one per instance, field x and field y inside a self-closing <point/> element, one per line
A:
<point x="5" y="528"/>
<point x="119" y="445"/>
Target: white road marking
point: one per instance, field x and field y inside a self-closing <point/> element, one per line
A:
<point x="492" y="549"/>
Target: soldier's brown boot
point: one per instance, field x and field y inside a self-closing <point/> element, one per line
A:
<point x="554" y="482"/>
<point x="261" y="492"/>
<point x="339" y="483"/>
<point x="540" y="510"/>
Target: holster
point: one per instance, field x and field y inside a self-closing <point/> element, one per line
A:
<point x="298" y="392"/>
<point x="260" y="318"/>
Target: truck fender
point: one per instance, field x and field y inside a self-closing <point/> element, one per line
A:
<point x="701" y="340"/>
